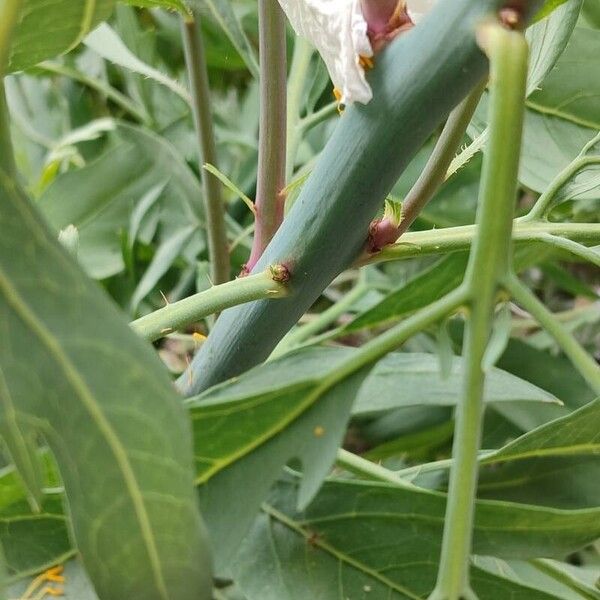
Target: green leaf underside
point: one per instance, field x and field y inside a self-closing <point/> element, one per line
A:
<point x="64" y="24"/>
<point x="256" y="398"/>
<point x="554" y="465"/>
<point x="246" y="430"/>
<point x="379" y="541"/>
<point x="95" y="389"/>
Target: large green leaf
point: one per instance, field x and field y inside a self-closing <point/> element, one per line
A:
<point x="48" y="28"/>
<point x="375" y="540"/>
<point x="555" y="464"/>
<point x="425" y="287"/>
<point x="572" y="89"/>
<point x="73" y="371"/>
<point x="245" y="431"/>
<point x="248" y="428"/>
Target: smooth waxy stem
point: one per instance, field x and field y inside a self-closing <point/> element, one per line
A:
<point x="416" y="83"/>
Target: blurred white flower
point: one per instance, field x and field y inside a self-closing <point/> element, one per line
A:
<point x="340" y="32"/>
<point x="417" y="9"/>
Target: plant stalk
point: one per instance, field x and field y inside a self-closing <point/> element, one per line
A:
<point x="433" y="176"/>
<point x="452" y="239"/>
<point x="189" y="310"/>
<point x="489" y="263"/>
<point x="195" y="58"/>
<point x="270" y="199"/>
<point x="581" y="360"/>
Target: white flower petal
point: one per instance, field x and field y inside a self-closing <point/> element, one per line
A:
<point x="338" y="30"/>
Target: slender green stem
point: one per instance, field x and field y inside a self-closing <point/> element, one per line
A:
<point x="121" y="100"/>
<point x="582" y="361"/>
<point x="546" y="566"/>
<point x="327" y="317"/>
<point x="434" y="174"/>
<point x="361" y="466"/>
<point x="588" y="254"/>
<point x="451" y="239"/>
<point x="489" y="262"/>
<point x="270" y="199"/>
<point x="303" y="52"/>
<point x="189" y="310"/>
<point x="545" y="201"/>
<point x="312" y="120"/>
<point x="393" y="338"/>
<point x="213" y="202"/>
<point x="386" y="232"/>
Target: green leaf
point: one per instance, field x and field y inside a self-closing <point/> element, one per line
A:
<point x="101" y="198"/>
<point x="222" y="12"/>
<point x="554" y="465"/>
<point x="571" y="90"/>
<point x="51" y="27"/>
<point x="421" y="290"/>
<point x="247" y="429"/>
<point x="549" y="7"/>
<point x="106" y="42"/>
<point x="414" y="379"/>
<point x="573" y="435"/>
<point x="562" y="580"/>
<point x="374" y="540"/>
<point x="103" y="403"/>
<point x="178" y="5"/>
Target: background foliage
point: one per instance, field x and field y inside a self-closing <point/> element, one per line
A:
<point x="104" y="140"/>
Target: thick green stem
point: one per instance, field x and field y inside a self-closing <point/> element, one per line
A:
<point x="213" y="201"/>
<point x="452" y="239"/>
<point x="189" y="310"/>
<point x="489" y="263"/>
<point x="303" y="52"/>
<point x="582" y="361"/>
<point x="270" y="199"/>
<point x="433" y="176"/>
<point x="434" y="66"/>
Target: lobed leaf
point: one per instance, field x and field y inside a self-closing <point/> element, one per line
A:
<point x="375" y="540"/>
<point x="98" y="395"/>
